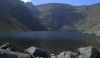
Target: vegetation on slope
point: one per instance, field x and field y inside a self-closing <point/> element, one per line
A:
<point x="18" y="16"/>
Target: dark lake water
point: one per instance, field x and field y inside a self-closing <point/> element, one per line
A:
<point x="51" y="41"/>
<point x="45" y="35"/>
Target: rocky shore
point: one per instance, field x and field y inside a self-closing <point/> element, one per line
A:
<point x="83" y="52"/>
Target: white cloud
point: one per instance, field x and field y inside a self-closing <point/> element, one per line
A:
<point x="26" y="0"/>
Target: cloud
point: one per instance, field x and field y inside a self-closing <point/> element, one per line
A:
<point x="26" y="0"/>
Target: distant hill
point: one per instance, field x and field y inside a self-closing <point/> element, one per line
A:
<point x="15" y="16"/>
<point x="63" y="17"/>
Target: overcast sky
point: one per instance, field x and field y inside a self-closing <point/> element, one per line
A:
<point x="72" y="2"/>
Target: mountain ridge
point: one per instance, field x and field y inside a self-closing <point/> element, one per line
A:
<point x="19" y="16"/>
<point x="62" y="17"/>
<point x="21" y="13"/>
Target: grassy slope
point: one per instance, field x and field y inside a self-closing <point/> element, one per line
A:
<point x="91" y="22"/>
<point x="9" y="23"/>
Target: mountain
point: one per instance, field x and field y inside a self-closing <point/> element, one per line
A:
<point x="34" y="11"/>
<point x="15" y="16"/>
<point x="63" y="17"/>
<point x="57" y="16"/>
<point x="91" y="22"/>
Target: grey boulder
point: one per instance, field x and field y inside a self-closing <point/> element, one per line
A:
<point x="67" y="54"/>
<point x="89" y="52"/>
<point x="11" y="54"/>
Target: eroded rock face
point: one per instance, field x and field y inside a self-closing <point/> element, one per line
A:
<point x="11" y="54"/>
<point x="89" y="52"/>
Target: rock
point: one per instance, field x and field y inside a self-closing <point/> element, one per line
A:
<point x="61" y="55"/>
<point x="89" y="52"/>
<point x="33" y="52"/>
<point x="53" y="56"/>
<point x="67" y="54"/>
<point x="70" y="55"/>
<point x="11" y="48"/>
<point x="80" y="56"/>
<point x="7" y="46"/>
<point x="36" y="52"/>
<point x="11" y="54"/>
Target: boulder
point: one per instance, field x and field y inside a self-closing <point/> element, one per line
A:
<point x="80" y="56"/>
<point x="4" y="46"/>
<point x="67" y="54"/>
<point x="36" y="52"/>
<point x="89" y="52"/>
<point x="10" y="54"/>
<point x="7" y="46"/>
<point x="61" y="55"/>
<point x="52" y="56"/>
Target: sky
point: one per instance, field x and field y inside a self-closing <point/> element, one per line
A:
<point x="72" y="2"/>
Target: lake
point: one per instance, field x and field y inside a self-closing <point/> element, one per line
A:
<point x="46" y="35"/>
<point x="51" y="41"/>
